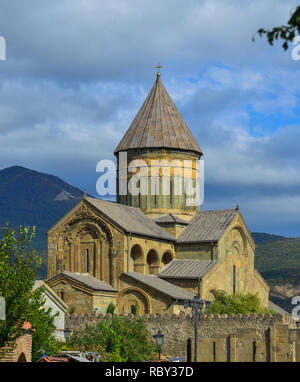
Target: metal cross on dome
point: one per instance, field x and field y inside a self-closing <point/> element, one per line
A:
<point x="158" y="67"/>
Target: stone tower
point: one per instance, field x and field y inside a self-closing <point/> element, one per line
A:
<point x="163" y="151"/>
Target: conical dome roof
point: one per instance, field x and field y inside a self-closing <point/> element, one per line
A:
<point x="158" y="124"/>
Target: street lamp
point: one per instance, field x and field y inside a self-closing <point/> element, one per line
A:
<point x="159" y="338"/>
<point x="197" y="305"/>
<point x="67" y="333"/>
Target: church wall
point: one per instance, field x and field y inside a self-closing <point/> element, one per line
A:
<point x="147" y="245"/>
<point x="102" y="300"/>
<point x="81" y="231"/>
<point x="214" y="280"/>
<point x="195" y="251"/>
<point x="174" y="229"/>
<point x="234" y="249"/>
<point x="81" y="300"/>
<point x="189" y="285"/>
<point x="258" y="285"/>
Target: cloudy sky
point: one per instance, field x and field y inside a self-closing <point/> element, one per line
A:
<point x="77" y="72"/>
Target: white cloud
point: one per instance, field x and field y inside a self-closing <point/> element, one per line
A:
<point x="77" y="72"/>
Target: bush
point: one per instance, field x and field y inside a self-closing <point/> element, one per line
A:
<point x="118" y="340"/>
<point x="237" y="303"/>
<point x="134" y="309"/>
<point x="111" y="308"/>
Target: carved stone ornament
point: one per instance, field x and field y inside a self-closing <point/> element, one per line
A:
<point x="84" y="211"/>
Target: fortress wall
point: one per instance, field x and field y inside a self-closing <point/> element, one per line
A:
<point x="231" y="338"/>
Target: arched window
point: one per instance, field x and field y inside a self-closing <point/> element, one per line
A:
<point x="152" y="262"/>
<point x="87" y="260"/>
<point x="234" y="279"/>
<point x="167" y="257"/>
<point x="136" y="260"/>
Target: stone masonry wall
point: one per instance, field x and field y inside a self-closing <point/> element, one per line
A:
<point x="234" y="338"/>
<point x="21" y="352"/>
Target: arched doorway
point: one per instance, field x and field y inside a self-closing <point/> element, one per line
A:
<point x="133" y="297"/>
<point x="22" y="358"/>
<point x="152" y="262"/>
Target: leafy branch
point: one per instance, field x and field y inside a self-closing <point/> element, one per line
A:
<point x="284" y="32"/>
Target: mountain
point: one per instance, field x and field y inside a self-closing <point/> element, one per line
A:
<point x="265" y="238"/>
<point x="28" y="197"/>
<point x="279" y="261"/>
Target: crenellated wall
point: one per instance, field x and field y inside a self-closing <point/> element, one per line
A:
<point x="231" y="338"/>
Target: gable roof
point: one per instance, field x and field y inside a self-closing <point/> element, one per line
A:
<point x="187" y="269"/>
<point x="160" y="285"/>
<point x="50" y="294"/>
<point x="84" y="279"/>
<point x="170" y="218"/>
<point x="207" y="226"/>
<point x="131" y="219"/>
<point x="158" y="124"/>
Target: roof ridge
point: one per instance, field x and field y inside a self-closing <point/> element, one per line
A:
<point x="192" y="260"/>
<point x="129" y="219"/>
<point x="221" y="210"/>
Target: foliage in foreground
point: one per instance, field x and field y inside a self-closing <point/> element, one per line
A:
<point x="118" y="340"/>
<point x="237" y="303"/>
<point x="18" y="270"/>
<point x="284" y="32"/>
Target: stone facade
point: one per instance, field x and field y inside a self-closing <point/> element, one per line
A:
<point x="225" y="338"/>
<point x="108" y="241"/>
<point x="21" y="352"/>
<point x="81" y="298"/>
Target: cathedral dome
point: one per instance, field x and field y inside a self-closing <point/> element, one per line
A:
<point x="159" y="125"/>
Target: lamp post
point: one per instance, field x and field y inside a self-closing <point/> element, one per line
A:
<point x="159" y="338"/>
<point x="197" y="305"/>
<point x="67" y="333"/>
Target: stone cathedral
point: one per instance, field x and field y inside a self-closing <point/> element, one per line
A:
<point x="146" y="252"/>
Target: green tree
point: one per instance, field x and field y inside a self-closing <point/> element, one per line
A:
<point x="283" y="32"/>
<point x="111" y="308"/>
<point x="42" y="320"/>
<point x="236" y="303"/>
<point x="118" y="339"/>
<point x="18" y="270"/>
